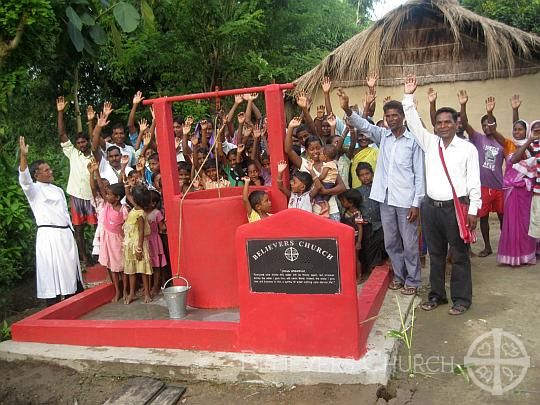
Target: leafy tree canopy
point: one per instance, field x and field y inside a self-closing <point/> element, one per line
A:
<point x="522" y="14"/>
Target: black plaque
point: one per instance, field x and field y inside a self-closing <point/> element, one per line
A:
<point x="294" y="266"/>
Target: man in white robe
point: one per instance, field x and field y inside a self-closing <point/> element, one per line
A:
<point x="57" y="259"/>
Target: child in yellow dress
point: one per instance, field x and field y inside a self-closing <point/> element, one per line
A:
<point x="136" y="249"/>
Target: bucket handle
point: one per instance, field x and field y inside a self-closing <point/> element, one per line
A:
<point x="172" y="278"/>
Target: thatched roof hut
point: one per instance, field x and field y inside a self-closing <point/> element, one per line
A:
<point x="438" y="40"/>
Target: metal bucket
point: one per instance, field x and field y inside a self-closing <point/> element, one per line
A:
<point x="176" y="298"/>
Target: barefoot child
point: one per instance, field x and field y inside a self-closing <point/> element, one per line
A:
<point x="136" y="249"/>
<point x="99" y="188"/>
<point x="372" y="253"/>
<point x="257" y="203"/>
<point x="301" y="193"/>
<point x="352" y="216"/>
<point x="113" y="214"/>
<point x="157" y="253"/>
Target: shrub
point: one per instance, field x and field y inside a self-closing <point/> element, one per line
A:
<point x="17" y="225"/>
<point x="17" y="232"/>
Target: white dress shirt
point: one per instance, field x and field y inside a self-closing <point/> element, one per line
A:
<point x="461" y="160"/>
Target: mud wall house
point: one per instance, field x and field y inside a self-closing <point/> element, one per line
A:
<point x="449" y="48"/>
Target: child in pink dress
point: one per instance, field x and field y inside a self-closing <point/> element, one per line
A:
<point x="98" y="187"/>
<point x="114" y="214"/>
<point x="157" y="253"/>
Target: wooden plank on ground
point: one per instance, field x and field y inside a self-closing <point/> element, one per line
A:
<point x="169" y="396"/>
<point x="137" y="391"/>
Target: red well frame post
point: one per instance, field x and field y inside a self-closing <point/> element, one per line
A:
<point x="212" y="269"/>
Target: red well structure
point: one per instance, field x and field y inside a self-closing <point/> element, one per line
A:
<point x="291" y="276"/>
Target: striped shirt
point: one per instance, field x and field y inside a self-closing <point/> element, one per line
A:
<point x="536" y="154"/>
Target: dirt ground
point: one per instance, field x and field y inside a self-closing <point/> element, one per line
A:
<point x="504" y="298"/>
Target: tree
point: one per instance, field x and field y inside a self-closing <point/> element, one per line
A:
<point x="89" y="25"/>
<point x="15" y="17"/>
<point x="522" y="14"/>
<point x="177" y="47"/>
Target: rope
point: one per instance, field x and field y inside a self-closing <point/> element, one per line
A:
<point x="216" y="132"/>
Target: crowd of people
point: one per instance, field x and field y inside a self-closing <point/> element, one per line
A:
<point x="403" y="188"/>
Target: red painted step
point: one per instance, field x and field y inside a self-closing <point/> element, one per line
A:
<point x="96" y="275"/>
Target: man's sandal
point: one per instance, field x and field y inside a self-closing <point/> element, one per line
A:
<point x="408" y="290"/>
<point x="395" y="285"/>
<point x="430" y="305"/>
<point x="485" y="253"/>
<point x="457" y="309"/>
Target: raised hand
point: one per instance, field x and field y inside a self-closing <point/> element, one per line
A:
<point x="186" y="128"/>
<point x="490" y="104"/>
<point x="102" y="120"/>
<point x="246" y="179"/>
<point x="147" y="138"/>
<point x="124" y="160"/>
<point x="23" y="146"/>
<point x="90" y="113"/>
<point x="107" y="108"/>
<point x="462" y="97"/>
<point x="386" y="100"/>
<point x="331" y="120"/>
<point x="143" y="124"/>
<point x="60" y="104"/>
<point x="343" y="99"/>
<point x="320" y="111"/>
<point x="295" y="122"/>
<point x="222" y="126"/>
<point x="431" y="95"/>
<point x="189" y="120"/>
<point x="138" y="97"/>
<point x="257" y="131"/>
<point x="253" y="96"/>
<point x="93" y="166"/>
<point x="204" y="125"/>
<point x="371" y="95"/>
<point x="153" y="113"/>
<point x="515" y="102"/>
<point x="302" y="100"/>
<point x="238" y="99"/>
<point x="371" y="80"/>
<point x="247" y="130"/>
<point x="326" y="84"/>
<point x="410" y="84"/>
<point x="240" y="148"/>
<point x="281" y="166"/>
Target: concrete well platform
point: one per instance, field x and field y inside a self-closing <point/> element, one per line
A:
<point x="375" y="366"/>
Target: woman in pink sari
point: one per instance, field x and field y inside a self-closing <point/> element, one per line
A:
<point x="516" y="247"/>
